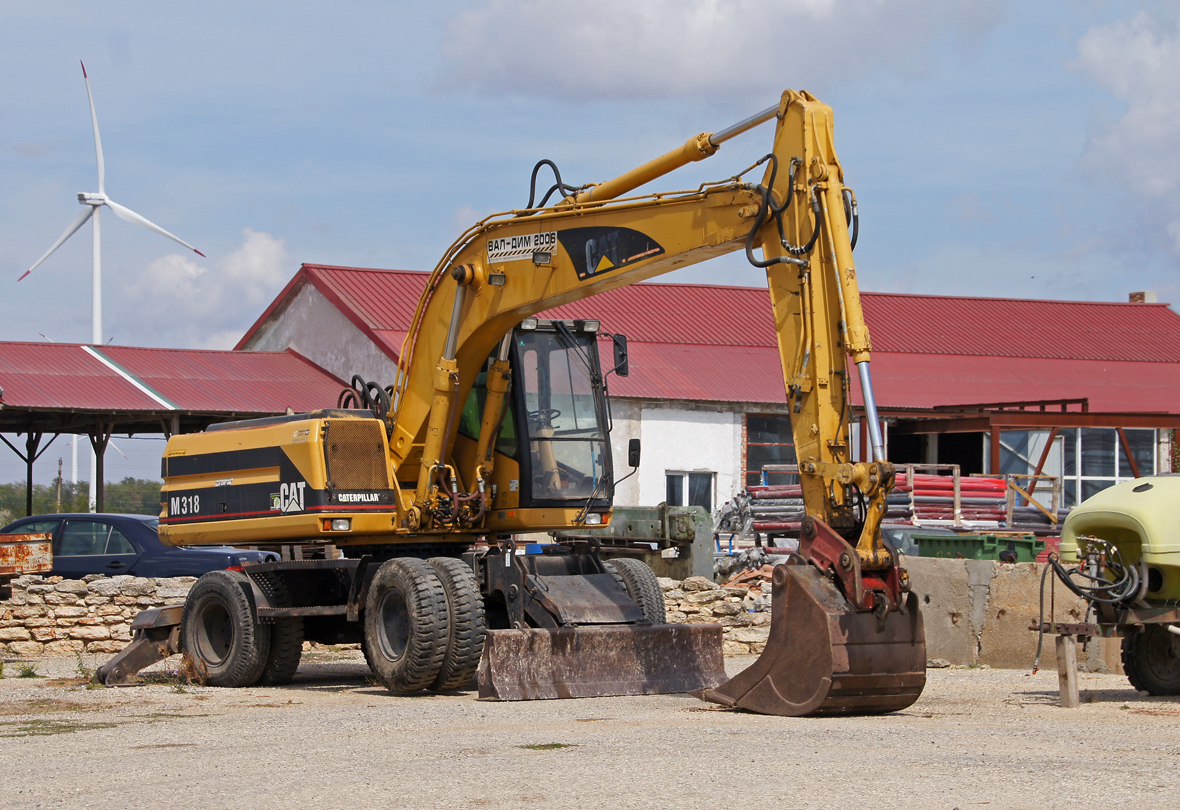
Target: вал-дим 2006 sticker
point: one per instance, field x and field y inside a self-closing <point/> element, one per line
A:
<point x="515" y="248"/>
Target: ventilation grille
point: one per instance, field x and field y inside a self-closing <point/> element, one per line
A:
<point x="354" y="450"/>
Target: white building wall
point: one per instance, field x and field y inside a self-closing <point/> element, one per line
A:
<point x="688" y="440"/>
<point x="626" y="417"/>
<point x="314" y="327"/>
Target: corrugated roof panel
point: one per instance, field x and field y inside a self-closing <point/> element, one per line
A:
<point x="385" y="299"/>
<point x="742" y="316"/>
<point x="241" y="382"/>
<point x="708" y="373"/>
<point x="932" y="380"/>
<point x="672" y="328"/>
<point x="63" y="375"/>
<point x="1081" y="330"/>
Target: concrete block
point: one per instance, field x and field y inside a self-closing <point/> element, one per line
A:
<point x="945" y="599"/>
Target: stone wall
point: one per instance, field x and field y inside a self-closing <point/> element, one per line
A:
<point x="55" y="616"/>
<point x="743" y="613"/>
<point x="976" y="612"/>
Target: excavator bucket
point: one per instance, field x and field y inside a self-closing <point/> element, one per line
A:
<point x="600" y="661"/>
<point x="824" y="657"/>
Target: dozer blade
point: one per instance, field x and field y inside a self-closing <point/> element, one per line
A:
<point x="599" y="661"/>
<point x="824" y="657"/>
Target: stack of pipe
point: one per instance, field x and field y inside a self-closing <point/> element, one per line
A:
<point x="775" y="509"/>
<point x="931" y="500"/>
<point x="1031" y="519"/>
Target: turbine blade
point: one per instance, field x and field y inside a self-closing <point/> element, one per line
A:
<point x="126" y="214"/>
<point x="97" y="140"/>
<point x="74" y="226"/>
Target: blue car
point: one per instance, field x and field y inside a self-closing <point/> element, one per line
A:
<point x="126" y="544"/>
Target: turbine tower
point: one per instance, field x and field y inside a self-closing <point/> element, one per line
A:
<point x="92" y="202"/>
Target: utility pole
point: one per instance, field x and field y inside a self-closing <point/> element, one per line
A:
<point x="58" y="508"/>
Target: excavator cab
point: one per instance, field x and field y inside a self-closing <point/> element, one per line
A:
<point x="561" y="412"/>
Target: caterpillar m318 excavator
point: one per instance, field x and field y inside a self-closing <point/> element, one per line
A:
<point x="497" y="424"/>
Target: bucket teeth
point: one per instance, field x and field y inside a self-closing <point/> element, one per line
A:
<point x="599" y="661"/>
<point x="828" y="658"/>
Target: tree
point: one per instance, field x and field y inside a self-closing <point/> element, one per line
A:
<point x="133" y="496"/>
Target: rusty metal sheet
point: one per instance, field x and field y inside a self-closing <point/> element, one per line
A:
<point x="539" y="664"/>
<point x="824" y="657"/>
<point x="25" y="554"/>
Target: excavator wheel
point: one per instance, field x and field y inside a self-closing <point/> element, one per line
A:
<point x="466" y="628"/>
<point x="824" y="657"/>
<point x="641" y="584"/>
<point x="405" y="625"/>
<point x="219" y="632"/>
<point x="286" y="636"/>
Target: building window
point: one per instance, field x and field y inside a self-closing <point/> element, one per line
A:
<point x="1103" y="462"/>
<point x="1087" y="460"/>
<point x="690" y="489"/>
<point x="769" y="440"/>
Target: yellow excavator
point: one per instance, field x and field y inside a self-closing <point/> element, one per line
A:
<point x="405" y="500"/>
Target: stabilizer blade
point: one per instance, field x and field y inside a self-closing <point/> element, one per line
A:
<point x="74" y="226"/>
<point x="598" y="661"/>
<point x="126" y="214"/>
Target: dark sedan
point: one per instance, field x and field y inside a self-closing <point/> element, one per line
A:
<point x="125" y="544"/>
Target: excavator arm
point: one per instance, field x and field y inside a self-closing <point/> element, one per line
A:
<point x="512" y="266"/>
<point x="846" y="633"/>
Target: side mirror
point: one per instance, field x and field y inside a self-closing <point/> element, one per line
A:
<point x="633" y="452"/>
<point x="620" y="368"/>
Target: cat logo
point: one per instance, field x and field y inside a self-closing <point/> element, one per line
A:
<point x="289" y="498"/>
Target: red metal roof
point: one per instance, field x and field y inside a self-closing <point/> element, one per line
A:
<point x="239" y="382"/>
<point x="71" y="377"/>
<point x="64" y="375"/>
<point x="1002" y="327"/>
<point x="717" y="343"/>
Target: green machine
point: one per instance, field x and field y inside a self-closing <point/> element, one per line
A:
<point x="675" y="541"/>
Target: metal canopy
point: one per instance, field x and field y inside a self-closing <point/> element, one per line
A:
<point x="47" y="389"/>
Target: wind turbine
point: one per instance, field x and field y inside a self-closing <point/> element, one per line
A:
<point x="92" y="202"/>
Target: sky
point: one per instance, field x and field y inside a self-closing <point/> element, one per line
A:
<point x="997" y="148"/>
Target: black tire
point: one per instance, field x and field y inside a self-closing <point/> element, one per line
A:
<point x="405" y="625"/>
<point x="466" y="627"/>
<point x="641" y="585"/>
<point x="219" y="634"/>
<point x="1151" y="659"/>
<point x="286" y="636"/>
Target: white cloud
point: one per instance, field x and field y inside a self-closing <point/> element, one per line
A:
<point x="258" y="268"/>
<point x="610" y="49"/>
<point x="178" y="302"/>
<point x="1138" y="61"/>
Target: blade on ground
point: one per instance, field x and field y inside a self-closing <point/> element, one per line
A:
<point x="74" y="226"/>
<point x="128" y="215"/>
<point x="97" y="140"/>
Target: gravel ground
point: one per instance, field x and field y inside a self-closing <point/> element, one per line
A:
<point x="976" y="738"/>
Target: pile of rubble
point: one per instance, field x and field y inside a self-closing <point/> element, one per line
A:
<point x="55" y="616"/>
<point x="743" y="612"/>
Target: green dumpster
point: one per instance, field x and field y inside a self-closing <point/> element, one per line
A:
<point x="980" y="547"/>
